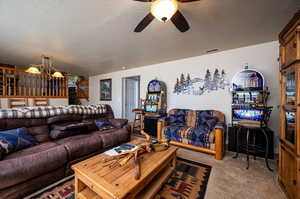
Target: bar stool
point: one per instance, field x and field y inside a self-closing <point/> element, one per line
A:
<point x="138" y="123"/>
<point x="252" y="147"/>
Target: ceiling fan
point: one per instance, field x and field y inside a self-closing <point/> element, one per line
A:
<point x="165" y="10"/>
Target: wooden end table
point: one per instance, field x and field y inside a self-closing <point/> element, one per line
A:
<point x="93" y="181"/>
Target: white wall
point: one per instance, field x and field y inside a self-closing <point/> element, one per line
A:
<point x="262" y="57"/>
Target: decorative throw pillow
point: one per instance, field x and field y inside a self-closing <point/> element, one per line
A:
<point x="68" y="126"/>
<point x="68" y="129"/>
<point x="177" y="119"/>
<point x="14" y="140"/>
<point x="58" y="134"/>
<point x="39" y="133"/>
<point x="211" y="123"/>
<point x="103" y="125"/>
<point x="202" y="117"/>
<point x="118" y="123"/>
<point x="91" y="126"/>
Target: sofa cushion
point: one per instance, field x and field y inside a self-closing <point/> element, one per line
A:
<point x="113" y="138"/>
<point x="118" y="123"/>
<point x="59" y="134"/>
<point x="2" y="153"/>
<point x="205" y="118"/>
<point x="173" y="132"/>
<point x="177" y="119"/>
<point x="197" y="136"/>
<point x="103" y="125"/>
<point x="23" y="189"/>
<point x="91" y="125"/>
<point x="6" y="124"/>
<point x="33" y="162"/>
<point x="31" y="150"/>
<point x="211" y="123"/>
<point x="15" y="139"/>
<point x="81" y="145"/>
<point x="39" y="133"/>
<point x="68" y="129"/>
<point x="64" y="118"/>
<point x="68" y="126"/>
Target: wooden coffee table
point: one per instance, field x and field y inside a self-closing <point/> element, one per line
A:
<point x="93" y="181"/>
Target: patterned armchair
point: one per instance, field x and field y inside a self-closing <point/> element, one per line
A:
<point x="201" y="130"/>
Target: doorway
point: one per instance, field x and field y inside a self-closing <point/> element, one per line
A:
<point x="131" y="96"/>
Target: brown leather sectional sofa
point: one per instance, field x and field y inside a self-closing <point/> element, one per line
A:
<point x="28" y="170"/>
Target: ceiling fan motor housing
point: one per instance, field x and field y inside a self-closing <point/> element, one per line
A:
<point x="165" y="10"/>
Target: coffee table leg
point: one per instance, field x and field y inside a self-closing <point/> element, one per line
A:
<point x="173" y="163"/>
<point x="79" y="186"/>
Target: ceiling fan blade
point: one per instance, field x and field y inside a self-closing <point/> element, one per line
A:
<point x="144" y="23"/>
<point x="186" y="1"/>
<point x="180" y="22"/>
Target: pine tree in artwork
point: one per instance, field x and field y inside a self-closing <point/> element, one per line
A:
<point x="177" y="87"/>
<point x="207" y="76"/>
<point x="216" y="80"/>
<point x="188" y="80"/>
<point x="222" y="80"/>
<point x="182" y="81"/>
<point x="207" y="81"/>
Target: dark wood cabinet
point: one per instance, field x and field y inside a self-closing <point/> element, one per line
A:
<point x="150" y="125"/>
<point x="289" y="153"/>
<point x="258" y="139"/>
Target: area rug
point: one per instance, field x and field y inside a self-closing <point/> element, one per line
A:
<point x="188" y="181"/>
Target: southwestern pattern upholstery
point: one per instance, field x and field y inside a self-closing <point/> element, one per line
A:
<point x="198" y="128"/>
<point x="27" y="170"/>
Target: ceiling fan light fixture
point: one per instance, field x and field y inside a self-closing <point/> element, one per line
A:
<point x="163" y="10"/>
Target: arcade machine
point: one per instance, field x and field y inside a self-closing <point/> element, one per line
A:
<point x="155" y="106"/>
<point x="249" y="107"/>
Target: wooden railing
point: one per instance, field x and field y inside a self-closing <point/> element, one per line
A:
<point x="18" y="83"/>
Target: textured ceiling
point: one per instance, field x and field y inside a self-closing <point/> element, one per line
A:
<point x="91" y="37"/>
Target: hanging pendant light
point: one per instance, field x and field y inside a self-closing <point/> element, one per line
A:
<point x="57" y="75"/>
<point x="163" y="10"/>
<point x="33" y="69"/>
<point x="45" y="67"/>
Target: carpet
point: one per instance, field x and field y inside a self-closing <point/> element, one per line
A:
<point x="188" y="181"/>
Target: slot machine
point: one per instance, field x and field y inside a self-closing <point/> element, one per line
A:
<point x="155" y="106"/>
<point x="249" y="98"/>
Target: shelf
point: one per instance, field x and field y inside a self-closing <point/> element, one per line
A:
<point x="151" y="190"/>
<point x="87" y="193"/>
<point x="290" y="107"/>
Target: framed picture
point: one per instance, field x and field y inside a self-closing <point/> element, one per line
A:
<point x="105" y="89"/>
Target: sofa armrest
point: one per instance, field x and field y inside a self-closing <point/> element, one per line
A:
<point x="160" y="126"/>
<point x="220" y="125"/>
<point x="165" y="121"/>
<point x="118" y="123"/>
<point x="219" y="143"/>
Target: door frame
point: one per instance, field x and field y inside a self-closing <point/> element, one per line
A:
<point x="124" y="93"/>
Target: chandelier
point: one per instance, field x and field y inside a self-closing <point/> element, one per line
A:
<point x="45" y="67"/>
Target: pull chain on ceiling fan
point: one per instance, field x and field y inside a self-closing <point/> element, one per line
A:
<point x="165" y="10"/>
